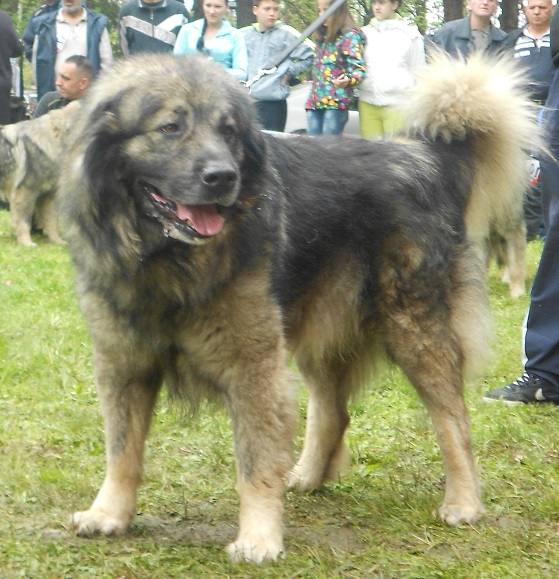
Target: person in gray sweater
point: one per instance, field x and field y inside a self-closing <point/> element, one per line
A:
<point x="267" y="38"/>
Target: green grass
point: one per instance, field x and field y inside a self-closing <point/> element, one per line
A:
<point x="376" y="522"/>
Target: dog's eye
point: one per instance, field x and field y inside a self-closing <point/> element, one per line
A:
<point x="170" y="128"/>
<point x="229" y="130"/>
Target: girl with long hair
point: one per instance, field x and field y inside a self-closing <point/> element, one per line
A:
<point x="338" y="69"/>
<point x="214" y="36"/>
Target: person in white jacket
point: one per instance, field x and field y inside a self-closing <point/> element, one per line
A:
<point x="394" y="50"/>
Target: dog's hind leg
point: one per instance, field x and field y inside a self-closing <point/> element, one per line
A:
<point x="325" y="455"/>
<point x="22" y="205"/>
<point x="45" y="212"/>
<point x="127" y="399"/>
<point x="516" y="260"/>
<point x="426" y="349"/>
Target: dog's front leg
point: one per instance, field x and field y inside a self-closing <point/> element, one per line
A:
<point x="262" y="412"/>
<point x="127" y="407"/>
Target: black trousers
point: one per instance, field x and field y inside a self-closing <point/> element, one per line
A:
<point x="541" y="342"/>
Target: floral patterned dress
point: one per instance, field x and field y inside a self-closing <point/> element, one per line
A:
<point x="344" y="56"/>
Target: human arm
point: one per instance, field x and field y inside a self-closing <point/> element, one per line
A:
<point x="239" y="59"/>
<point x="302" y="56"/>
<point x="416" y="53"/>
<point x="105" y="51"/>
<point x="28" y="38"/>
<point x="122" y="28"/>
<point x="183" y="41"/>
<point x="554" y="41"/>
<point x="351" y="47"/>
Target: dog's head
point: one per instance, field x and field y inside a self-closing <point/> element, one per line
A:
<point x="169" y="141"/>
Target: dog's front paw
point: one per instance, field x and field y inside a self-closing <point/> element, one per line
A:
<point x="255" y="551"/>
<point x="458" y="514"/>
<point x="94" y="521"/>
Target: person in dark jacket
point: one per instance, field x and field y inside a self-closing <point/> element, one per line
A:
<point x="540" y="381"/>
<point x="72" y="83"/>
<point x="475" y="32"/>
<point x="531" y="48"/>
<point x="30" y="30"/>
<point x="10" y="47"/>
<point x="73" y="29"/>
<point x="150" y="25"/>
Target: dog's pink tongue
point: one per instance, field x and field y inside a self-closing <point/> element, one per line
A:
<point x="204" y="218"/>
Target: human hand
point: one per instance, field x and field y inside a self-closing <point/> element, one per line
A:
<point x="341" y="81"/>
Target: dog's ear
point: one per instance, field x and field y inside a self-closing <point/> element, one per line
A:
<point x="101" y="169"/>
<point x="252" y="138"/>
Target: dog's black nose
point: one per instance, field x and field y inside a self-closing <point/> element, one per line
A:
<point x="219" y="178"/>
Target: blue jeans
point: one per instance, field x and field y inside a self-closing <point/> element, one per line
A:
<point x="326" y="121"/>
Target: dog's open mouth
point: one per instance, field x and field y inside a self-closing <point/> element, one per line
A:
<point x="197" y="220"/>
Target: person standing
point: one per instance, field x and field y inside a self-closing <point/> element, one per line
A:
<point x="337" y="70"/>
<point x="10" y="47"/>
<point x="475" y="32"/>
<point x="266" y="38"/>
<point x="530" y="46"/>
<point x="73" y="29"/>
<point x="394" y="50"/>
<point x="29" y="33"/>
<point x="540" y="381"/>
<point x="150" y="25"/>
<point x="215" y="37"/>
<point x="72" y="82"/>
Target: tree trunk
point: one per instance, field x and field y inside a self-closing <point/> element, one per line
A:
<point x="244" y="13"/>
<point x="509" y="15"/>
<point x="453" y="10"/>
<point x="197" y="11"/>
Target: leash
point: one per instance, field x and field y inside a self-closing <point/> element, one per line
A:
<point x="272" y="66"/>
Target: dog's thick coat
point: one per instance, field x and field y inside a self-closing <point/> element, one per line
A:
<point x="30" y="157"/>
<point x="205" y="248"/>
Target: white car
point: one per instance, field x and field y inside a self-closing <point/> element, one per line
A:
<point x="297" y="116"/>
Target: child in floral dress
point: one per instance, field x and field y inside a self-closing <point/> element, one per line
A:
<point x="338" y="69"/>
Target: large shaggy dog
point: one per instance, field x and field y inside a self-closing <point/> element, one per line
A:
<point x="30" y="154"/>
<point x="205" y="248"/>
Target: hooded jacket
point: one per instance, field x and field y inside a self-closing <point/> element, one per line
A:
<point x="393" y="51"/>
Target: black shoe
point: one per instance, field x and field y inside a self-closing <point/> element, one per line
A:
<point x="527" y="388"/>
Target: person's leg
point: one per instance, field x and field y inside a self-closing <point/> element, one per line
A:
<point x="272" y="114"/>
<point x="533" y="215"/>
<point x="393" y="121"/>
<point x="334" y="121"/>
<point x="540" y="382"/>
<point x="315" y="120"/>
<point x="542" y="327"/>
<point x="370" y="122"/>
<point x="4" y="104"/>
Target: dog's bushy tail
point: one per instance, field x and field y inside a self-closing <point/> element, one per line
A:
<point x="483" y="100"/>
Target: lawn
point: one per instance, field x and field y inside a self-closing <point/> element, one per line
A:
<point x="376" y="522"/>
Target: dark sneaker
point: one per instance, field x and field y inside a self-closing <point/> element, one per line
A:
<point x="527" y="388"/>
